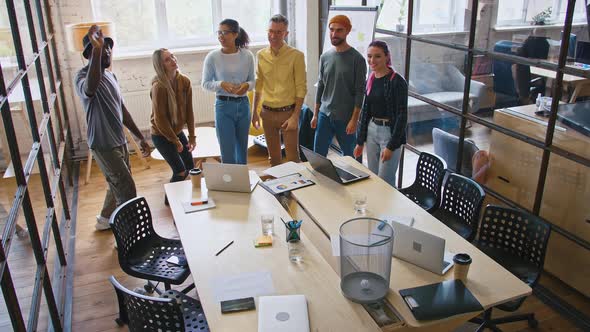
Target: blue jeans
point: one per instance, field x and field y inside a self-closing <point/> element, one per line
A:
<point x="232" y="123"/>
<point x="325" y="131"/>
<point x="179" y="162"/>
<point x="377" y="138"/>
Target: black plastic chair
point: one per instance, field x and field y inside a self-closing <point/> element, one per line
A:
<point x="460" y="206"/>
<point x="142" y="252"/>
<point x="425" y="191"/>
<point x="173" y="311"/>
<point x="516" y="240"/>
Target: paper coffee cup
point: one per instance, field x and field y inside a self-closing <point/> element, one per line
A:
<point x="462" y="263"/>
<point x="195" y="174"/>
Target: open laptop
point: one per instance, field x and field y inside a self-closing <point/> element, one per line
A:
<point x="420" y="248"/>
<point x="576" y="116"/>
<point x="342" y="173"/>
<point x="229" y="177"/>
<point x="287" y="313"/>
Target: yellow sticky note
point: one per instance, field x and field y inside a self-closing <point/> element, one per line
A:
<point x="263" y="241"/>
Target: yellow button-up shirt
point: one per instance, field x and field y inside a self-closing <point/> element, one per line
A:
<point x="280" y="78"/>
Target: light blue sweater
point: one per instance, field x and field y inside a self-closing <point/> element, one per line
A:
<point x="235" y="68"/>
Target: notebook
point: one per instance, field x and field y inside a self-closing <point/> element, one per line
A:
<point x="287" y="313"/>
<point x="440" y="300"/>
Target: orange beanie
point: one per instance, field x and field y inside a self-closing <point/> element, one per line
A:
<point x="341" y="19"/>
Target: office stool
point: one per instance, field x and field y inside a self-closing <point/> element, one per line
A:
<point x="518" y="241"/>
<point x="142" y="252"/>
<point x="173" y="311"/>
<point x="460" y="205"/>
<point x="425" y="191"/>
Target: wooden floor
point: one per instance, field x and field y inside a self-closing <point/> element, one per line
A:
<point x="94" y="303"/>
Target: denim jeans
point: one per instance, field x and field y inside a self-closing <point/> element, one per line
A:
<point x="325" y="131"/>
<point x="232" y="123"/>
<point x="114" y="165"/>
<point x="179" y="162"/>
<point x="377" y="138"/>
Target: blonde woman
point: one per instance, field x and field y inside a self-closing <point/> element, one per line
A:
<point x="171" y="110"/>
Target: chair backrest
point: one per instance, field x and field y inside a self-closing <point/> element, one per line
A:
<point x="430" y="172"/>
<point x="463" y="197"/>
<point x="146" y="313"/>
<point x="516" y="232"/>
<point x="132" y="226"/>
<point x="446" y="146"/>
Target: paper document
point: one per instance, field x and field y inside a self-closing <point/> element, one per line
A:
<point x="285" y="169"/>
<point x="239" y="286"/>
<point x="188" y="208"/>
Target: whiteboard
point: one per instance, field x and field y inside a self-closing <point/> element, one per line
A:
<point x="363" y="21"/>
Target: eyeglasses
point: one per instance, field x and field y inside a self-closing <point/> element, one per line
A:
<point x="223" y="32"/>
<point x="276" y="32"/>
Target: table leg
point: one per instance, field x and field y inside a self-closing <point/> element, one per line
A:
<point x="88" y="167"/>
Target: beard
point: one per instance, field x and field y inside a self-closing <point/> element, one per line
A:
<point x="336" y="41"/>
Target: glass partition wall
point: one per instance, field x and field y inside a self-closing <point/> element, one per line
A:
<point x="502" y="89"/>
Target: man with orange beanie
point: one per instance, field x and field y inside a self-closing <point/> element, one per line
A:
<point x="341" y="88"/>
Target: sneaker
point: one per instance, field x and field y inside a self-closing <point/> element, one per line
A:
<point x="102" y="223"/>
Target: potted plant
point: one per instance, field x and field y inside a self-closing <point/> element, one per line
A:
<point x="543" y="17"/>
<point x="400" y="27"/>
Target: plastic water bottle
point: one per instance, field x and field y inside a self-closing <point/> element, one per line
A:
<point x="538" y="102"/>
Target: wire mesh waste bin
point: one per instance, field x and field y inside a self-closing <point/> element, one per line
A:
<point x="365" y="259"/>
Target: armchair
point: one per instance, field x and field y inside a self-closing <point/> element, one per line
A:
<point x="443" y="83"/>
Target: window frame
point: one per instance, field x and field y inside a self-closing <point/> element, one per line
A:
<point x="163" y="37"/>
<point x="555" y="18"/>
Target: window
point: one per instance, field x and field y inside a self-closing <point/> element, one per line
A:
<point x="148" y="24"/>
<point x="522" y="12"/>
<point x="429" y="15"/>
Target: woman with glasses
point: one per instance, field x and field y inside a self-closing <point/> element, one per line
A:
<point x="384" y="115"/>
<point x="229" y="72"/>
<point x="172" y="108"/>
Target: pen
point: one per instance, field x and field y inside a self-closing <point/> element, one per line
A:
<point x="227" y="245"/>
<point x="199" y="203"/>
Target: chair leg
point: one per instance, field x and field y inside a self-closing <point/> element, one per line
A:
<point x="530" y="318"/>
<point x="188" y="289"/>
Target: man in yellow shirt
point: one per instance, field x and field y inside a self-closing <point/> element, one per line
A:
<point x="281" y="84"/>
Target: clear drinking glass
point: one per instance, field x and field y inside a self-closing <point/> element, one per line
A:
<point x="295" y="250"/>
<point x="359" y="201"/>
<point x="267" y="222"/>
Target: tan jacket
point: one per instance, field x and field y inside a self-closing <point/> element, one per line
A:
<point x="160" y="117"/>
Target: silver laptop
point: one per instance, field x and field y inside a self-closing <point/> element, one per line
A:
<point x="337" y="171"/>
<point x="287" y="313"/>
<point x="420" y="248"/>
<point x="229" y="177"/>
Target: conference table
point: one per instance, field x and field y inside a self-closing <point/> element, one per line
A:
<point x="323" y="207"/>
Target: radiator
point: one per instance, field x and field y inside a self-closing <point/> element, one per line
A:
<point x="139" y="105"/>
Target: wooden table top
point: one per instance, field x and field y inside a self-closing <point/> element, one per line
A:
<point x="330" y="204"/>
<point x="237" y="218"/>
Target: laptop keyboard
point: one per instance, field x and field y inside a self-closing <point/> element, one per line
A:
<point x="344" y="174"/>
<point x="445" y="264"/>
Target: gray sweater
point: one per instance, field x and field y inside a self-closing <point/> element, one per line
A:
<point x="341" y="83"/>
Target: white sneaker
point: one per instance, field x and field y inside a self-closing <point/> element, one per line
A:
<point x="102" y="223"/>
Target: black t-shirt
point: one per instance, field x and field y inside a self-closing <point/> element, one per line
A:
<point x="376" y="99"/>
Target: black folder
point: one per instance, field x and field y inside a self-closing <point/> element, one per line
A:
<point x="440" y="300"/>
